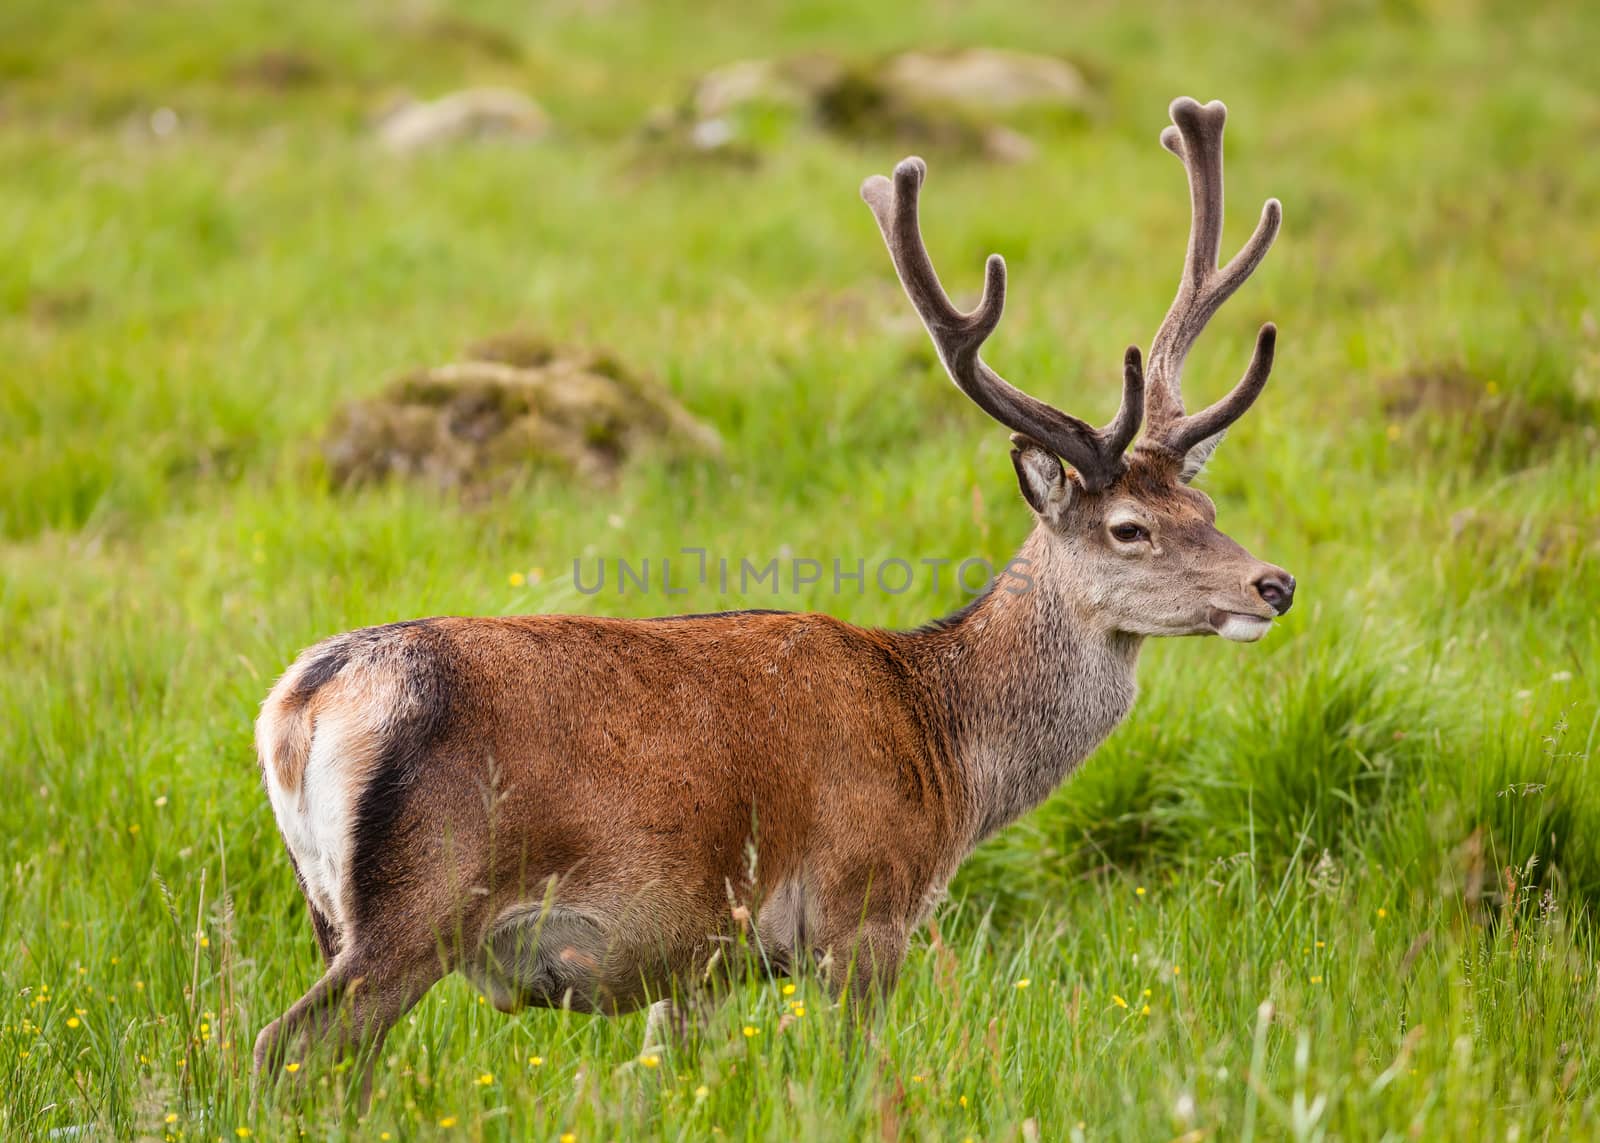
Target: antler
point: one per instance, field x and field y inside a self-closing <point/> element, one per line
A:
<point x="957" y="336"/>
<point x="1196" y="138"/>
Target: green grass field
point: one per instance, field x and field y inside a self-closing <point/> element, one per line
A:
<point x="1339" y="884"/>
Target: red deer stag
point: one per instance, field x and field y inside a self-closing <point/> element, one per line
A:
<point x="578" y="811"/>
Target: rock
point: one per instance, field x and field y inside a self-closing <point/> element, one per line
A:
<point x="984" y="80"/>
<point x="1004" y="145"/>
<point x="952" y="100"/>
<point x="743" y="84"/>
<point x="517" y="405"/>
<point x="474" y="113"/>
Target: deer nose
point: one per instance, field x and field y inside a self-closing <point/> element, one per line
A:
<point x="1276" y="589"/>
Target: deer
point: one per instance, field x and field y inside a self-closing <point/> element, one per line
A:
<point x="582" y="812"/>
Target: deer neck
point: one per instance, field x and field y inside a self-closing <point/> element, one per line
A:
<point x="1030" y="684"/>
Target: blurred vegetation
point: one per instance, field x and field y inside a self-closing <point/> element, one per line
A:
<point x="1383" y="823"/>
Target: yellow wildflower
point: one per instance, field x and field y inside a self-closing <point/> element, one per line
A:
<point x="73" y="1021"/>
<point x="485" y="1079"/>
<point x="788" y="990"/>
<point x="516" y="579"/>
<point x="1118" y="1001"/>
<point x="751" y="1030"/>
<point x="448" y="1121"/>
<point x="650" y="1061"/>
<point x="1024" y="982"/>
<point x="536" y="1061"/>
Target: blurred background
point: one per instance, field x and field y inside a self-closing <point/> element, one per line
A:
<point x="316" y="316"/>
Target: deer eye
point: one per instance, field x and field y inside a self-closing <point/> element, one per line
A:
<point x="1129" y="533"/>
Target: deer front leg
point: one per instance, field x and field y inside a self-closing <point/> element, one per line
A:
<point x="665" y="1024"/>
<point x="675" y="1020"/>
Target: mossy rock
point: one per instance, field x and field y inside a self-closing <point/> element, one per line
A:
<point x="961" y="100"/>
<point x="517" y="405"/>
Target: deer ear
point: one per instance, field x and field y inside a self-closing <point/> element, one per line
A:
<point x="1044" y="482"/>
<point x="1195" y="459"/>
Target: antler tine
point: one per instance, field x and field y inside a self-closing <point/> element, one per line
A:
<point x="1196" y="138"/>
<point x="958" y="337"/>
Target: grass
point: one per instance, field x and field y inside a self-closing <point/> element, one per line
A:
<point x="1343" y="883"/>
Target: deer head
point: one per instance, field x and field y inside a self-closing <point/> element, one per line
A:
<point x="1139" y="547"/>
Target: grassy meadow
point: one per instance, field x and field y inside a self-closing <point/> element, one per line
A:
<point x="1341" y="884"/>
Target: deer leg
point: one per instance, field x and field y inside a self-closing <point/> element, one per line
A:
<point x="357" y="1001"/>
<point x="674" y="1021"/>
<point x="302" y="1024"/>
<point x="327" y="936"/>
<point x="662" y="1025"/>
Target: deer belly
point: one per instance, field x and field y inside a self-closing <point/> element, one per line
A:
<point x="560" y="957"/>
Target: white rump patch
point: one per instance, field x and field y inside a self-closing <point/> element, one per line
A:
<point x="317" y="819"/>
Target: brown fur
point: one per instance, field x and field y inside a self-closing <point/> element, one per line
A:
<point x="657" y="775"/>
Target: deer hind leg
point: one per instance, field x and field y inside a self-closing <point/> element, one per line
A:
<point x="353" y="1006"/>
<point x="321" y="927"/>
